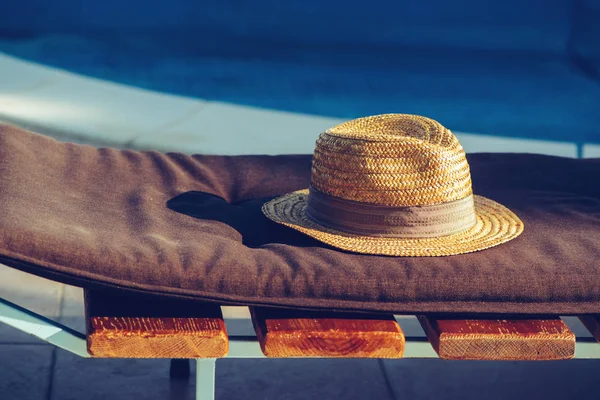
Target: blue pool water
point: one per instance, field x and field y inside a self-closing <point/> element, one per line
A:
<point x="502" y="68"/>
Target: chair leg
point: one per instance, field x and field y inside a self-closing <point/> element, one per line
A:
<point x="180" y="368"/>
<point x="205" y="378"/>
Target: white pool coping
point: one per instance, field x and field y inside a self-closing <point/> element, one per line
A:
<point x="77" y="108"/>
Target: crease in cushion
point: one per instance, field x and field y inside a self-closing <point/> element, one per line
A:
<point x="191" y="226"/>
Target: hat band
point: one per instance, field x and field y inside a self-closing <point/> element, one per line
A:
<point x="386" y="221"/>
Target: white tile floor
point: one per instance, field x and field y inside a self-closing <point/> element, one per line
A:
<point x="37" y="294"/>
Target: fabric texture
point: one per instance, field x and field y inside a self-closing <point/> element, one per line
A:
<point x="192" y="226"/>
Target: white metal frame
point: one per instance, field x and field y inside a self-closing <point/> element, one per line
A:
<point x="239" y="346"/>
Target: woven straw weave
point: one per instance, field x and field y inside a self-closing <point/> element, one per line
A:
<point x="392" y="159"/>
<point x="395" y="160"/>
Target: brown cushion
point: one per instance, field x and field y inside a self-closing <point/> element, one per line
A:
<point x="191" y="226"/>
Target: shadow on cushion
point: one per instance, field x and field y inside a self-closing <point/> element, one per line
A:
<point x="245" y="217"/>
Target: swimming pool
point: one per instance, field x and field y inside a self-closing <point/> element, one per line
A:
<point x="492" y="71"/>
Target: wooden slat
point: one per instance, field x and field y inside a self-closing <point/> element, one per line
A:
<point x="487" y="339"/>
<point x="592" y="323"/>
<point x="151" y="327"/>
<point x="289" y="333"/>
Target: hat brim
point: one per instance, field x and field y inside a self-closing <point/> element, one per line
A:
<point x="495" y="225"/>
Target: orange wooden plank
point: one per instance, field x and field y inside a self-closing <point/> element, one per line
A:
<point x="289" y="333"/>
<point x="488" y="339"/>
<point x="152" y="327"/>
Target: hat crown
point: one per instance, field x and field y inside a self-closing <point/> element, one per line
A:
<point x="391" y="159"/>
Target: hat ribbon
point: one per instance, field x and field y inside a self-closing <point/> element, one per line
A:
<point x="366" y="219"/>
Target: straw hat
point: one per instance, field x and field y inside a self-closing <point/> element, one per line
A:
<point x="394" y="184"/>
